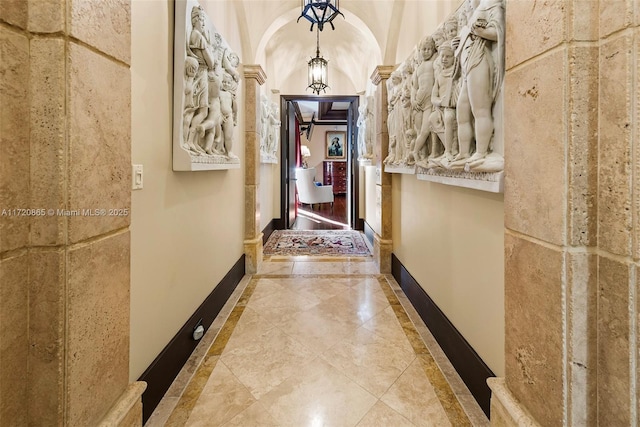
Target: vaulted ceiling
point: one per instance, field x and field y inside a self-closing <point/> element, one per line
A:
<point x="372" y="33"/>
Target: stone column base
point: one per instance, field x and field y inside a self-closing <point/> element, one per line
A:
<point x="127" y="411"/>
<point x="253" y="254"/>
<point x="382" y="250"/>
<point x="506" y="410"/>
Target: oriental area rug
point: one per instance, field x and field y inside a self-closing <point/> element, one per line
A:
<point x="316" y="242"/>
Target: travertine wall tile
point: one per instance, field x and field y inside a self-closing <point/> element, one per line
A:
<point x="46" y="337"/>
<point x="526" y="40"/>
<point x="48" y="144"/>
<point x="386" y="212"/>
<point x="533" y="321"/>
<point x="98" y="327"/>
<point x="615" y="15"/>
<point x="583" y="145"/>
<point x="614" y="186"/>
<point x="99" y="142"/>
<point x="585" y="21"/>
<point x="582" y="305"/>
<point x="252" y="211"/>
<point x="46" y="16"/>
<point x="381" y="148"/>
<point x="14" y="339"/>
<point x="103" y="24"/>
<point x="251" y="105"/>
<point x="535" y="148"/>
<point x="14" y="138"/>
<point x="613" y="343"/>
<point x="14" y="12"/>
<point x="252" y="158"/>
<point x="636" y="147"/>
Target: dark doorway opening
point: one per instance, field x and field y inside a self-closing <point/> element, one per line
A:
<point x="296" y="123"/>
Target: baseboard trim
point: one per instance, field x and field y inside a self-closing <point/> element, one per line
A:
<point x="164" y="369"/>
<point x="368" y="232"/>
<point x="471" y="368"/>
<point x="278" y="224"/>
<point x="270" y="228"/>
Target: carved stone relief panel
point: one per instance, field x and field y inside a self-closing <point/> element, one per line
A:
<point x="366" y="129"/>
<point x="269" y="130"/>
<point x="445" y="102"/>
<point x="206" y="78"/>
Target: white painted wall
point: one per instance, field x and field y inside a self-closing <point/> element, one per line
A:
<point x="186" y="227"/>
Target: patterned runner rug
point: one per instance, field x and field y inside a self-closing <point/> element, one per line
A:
<point x="316" y="242"/>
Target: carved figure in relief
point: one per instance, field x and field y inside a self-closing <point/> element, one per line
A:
<point x="190" y="70"/>
<point x="370" y="127"/>
<point x="274" y="130"/>
<point x="361" y="124"/>
<point x="365" y="128"/>
<point x="229" y="112"/>
<point x="422" y="101"/>
<point x="451" y="28"/>
<point x="264" y="122"/>
<point x="443" y="118"/>
<point x="210" y="130"/>
<point x="198" y="47"/>
<point x="480" y="50"/>
<point x="394" y="118"/>
<point x="209" y="114"/>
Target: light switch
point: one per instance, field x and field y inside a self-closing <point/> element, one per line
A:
<point x="136" y="177"/>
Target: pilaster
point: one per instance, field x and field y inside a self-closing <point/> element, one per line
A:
<point x="382" y="244"/>
<point x="254" y="77"/>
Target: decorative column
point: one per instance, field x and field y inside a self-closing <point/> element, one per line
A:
<point x="65" y="180"/>
<point x="254" y="77"/>
<point x="382" y="244"/>
<point x="572" y="190"/>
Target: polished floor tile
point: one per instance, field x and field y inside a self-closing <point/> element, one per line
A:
<point x="321" y="341"/>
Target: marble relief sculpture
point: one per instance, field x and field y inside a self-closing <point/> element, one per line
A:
<point x="482" y="70"/>
<point x="269" y="130"/>
<point x="209" y="110"/>
<point x="366" y="131"/>
<point x="453" y="93"/>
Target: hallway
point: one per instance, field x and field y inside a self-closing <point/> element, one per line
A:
<point x="318" y="342"/>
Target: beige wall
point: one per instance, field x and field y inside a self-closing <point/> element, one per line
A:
<point x="269" y="193"/>
<point x="451" y="241"/>
<point x="186" y="227"/>
<point x="317" y="146"/>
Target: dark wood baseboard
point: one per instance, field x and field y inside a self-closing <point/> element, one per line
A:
<point x="471" y="368"/>
<point x="278" y="224"/>
<point x="359" y="225"/>
<point x="164" y="369"/>
<point x="270" y="228"/>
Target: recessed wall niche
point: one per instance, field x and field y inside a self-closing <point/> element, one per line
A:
<point x="206" y="79"/>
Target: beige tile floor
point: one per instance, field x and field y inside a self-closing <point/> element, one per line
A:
<point x="318" y="341"/>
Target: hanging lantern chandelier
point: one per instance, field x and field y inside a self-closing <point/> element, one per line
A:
<point x="320" y="12"/>
<point x="318" y="70"/>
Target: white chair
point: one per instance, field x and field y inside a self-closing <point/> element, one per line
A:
<point x="308" y="192"/>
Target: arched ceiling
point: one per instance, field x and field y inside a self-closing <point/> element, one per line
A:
<point x="351" y="50"/>
<point x="372" y="33"/>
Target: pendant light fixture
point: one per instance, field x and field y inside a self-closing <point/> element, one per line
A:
<point x="318" y="70"/>
<point x="320" y="12"/>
